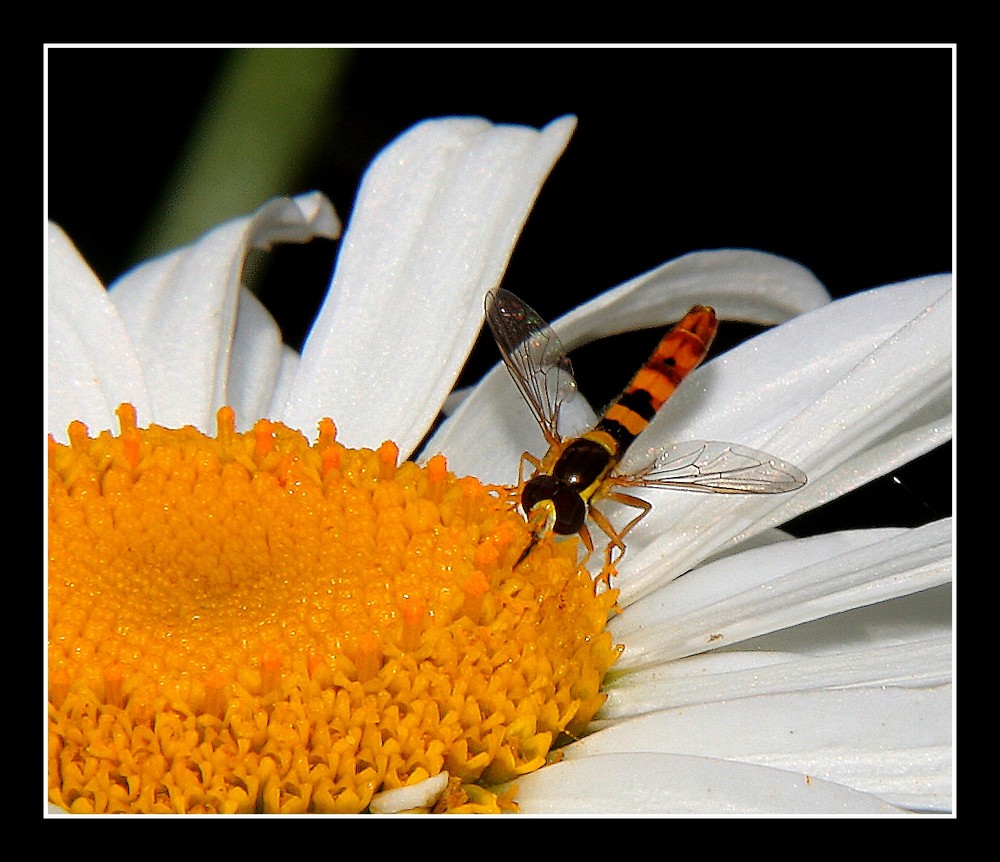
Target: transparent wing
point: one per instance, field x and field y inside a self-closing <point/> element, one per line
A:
<point x="715" y="468"/>
<point x="534" y="357"/>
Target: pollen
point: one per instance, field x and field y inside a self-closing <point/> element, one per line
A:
<point x="250" y="623"/>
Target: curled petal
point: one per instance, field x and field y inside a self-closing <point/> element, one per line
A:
<point x="260" y="362"/>
<point x="182" y="311"/>
<point x="741" y="284"/>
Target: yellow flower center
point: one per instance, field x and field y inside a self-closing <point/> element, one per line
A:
<point x="250" y="623"/>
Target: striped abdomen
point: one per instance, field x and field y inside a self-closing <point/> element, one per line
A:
<point x="678" y="353"/>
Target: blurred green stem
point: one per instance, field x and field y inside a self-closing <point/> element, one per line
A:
<point x="254" y="139"/>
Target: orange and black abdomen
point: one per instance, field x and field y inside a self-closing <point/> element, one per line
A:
<point x="678" y="353"/>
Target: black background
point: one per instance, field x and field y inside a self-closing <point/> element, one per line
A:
<point x="839" y="158"/>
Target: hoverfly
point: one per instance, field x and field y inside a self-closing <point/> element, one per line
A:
<point x="578" y="472"/>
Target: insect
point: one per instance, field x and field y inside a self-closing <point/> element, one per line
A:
<point x="576" y="473"/>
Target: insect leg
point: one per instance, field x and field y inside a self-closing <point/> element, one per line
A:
<point x="511" y="494"/>
<point x="588" y="544"/>
<point x="531" y="459"/>
<point x="617" y="537"/>
<point x="628" y="500"/>
<point x="608" y="569"/>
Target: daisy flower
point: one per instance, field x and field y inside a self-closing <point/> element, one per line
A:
<point x="742" y="670"/>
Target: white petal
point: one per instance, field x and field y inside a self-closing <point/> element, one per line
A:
<point x="256" y="363"/>
<point x="181" y="311"/>
<point x="726" y="675"/>
<point x="904" y="642"/>
<point x="488" y="431"/>
<point x="92" y="366"/>
<point x="851" y="349"/>
<point x="494" y="424"/>
<point x="436" y="219"/>
<point x="779" y="586"/>
<point x="740" y="284"/>
<point x="651" y="783"/>
<point x="872" y="371"/>
<point x="895" y="743"/>
<point x="422" y="795"/>
<point x="922" y="616"/>
<point x="287" y="373"/>
<point x="892" y="405"/>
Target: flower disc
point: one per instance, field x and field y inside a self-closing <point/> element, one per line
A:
<point x="250" y="623"/>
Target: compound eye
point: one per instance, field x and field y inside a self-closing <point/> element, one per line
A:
<point x="538" y="488"/>
<point x="571" y="511"/>
<point x="570" y="508"/>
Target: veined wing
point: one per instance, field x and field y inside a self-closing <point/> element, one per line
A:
<point x="713" y="467"/>
<point x="534" y="356"/>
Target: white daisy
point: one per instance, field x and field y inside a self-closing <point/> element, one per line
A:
<point x="793" y="649"/>
<point x="777" y="675"/>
